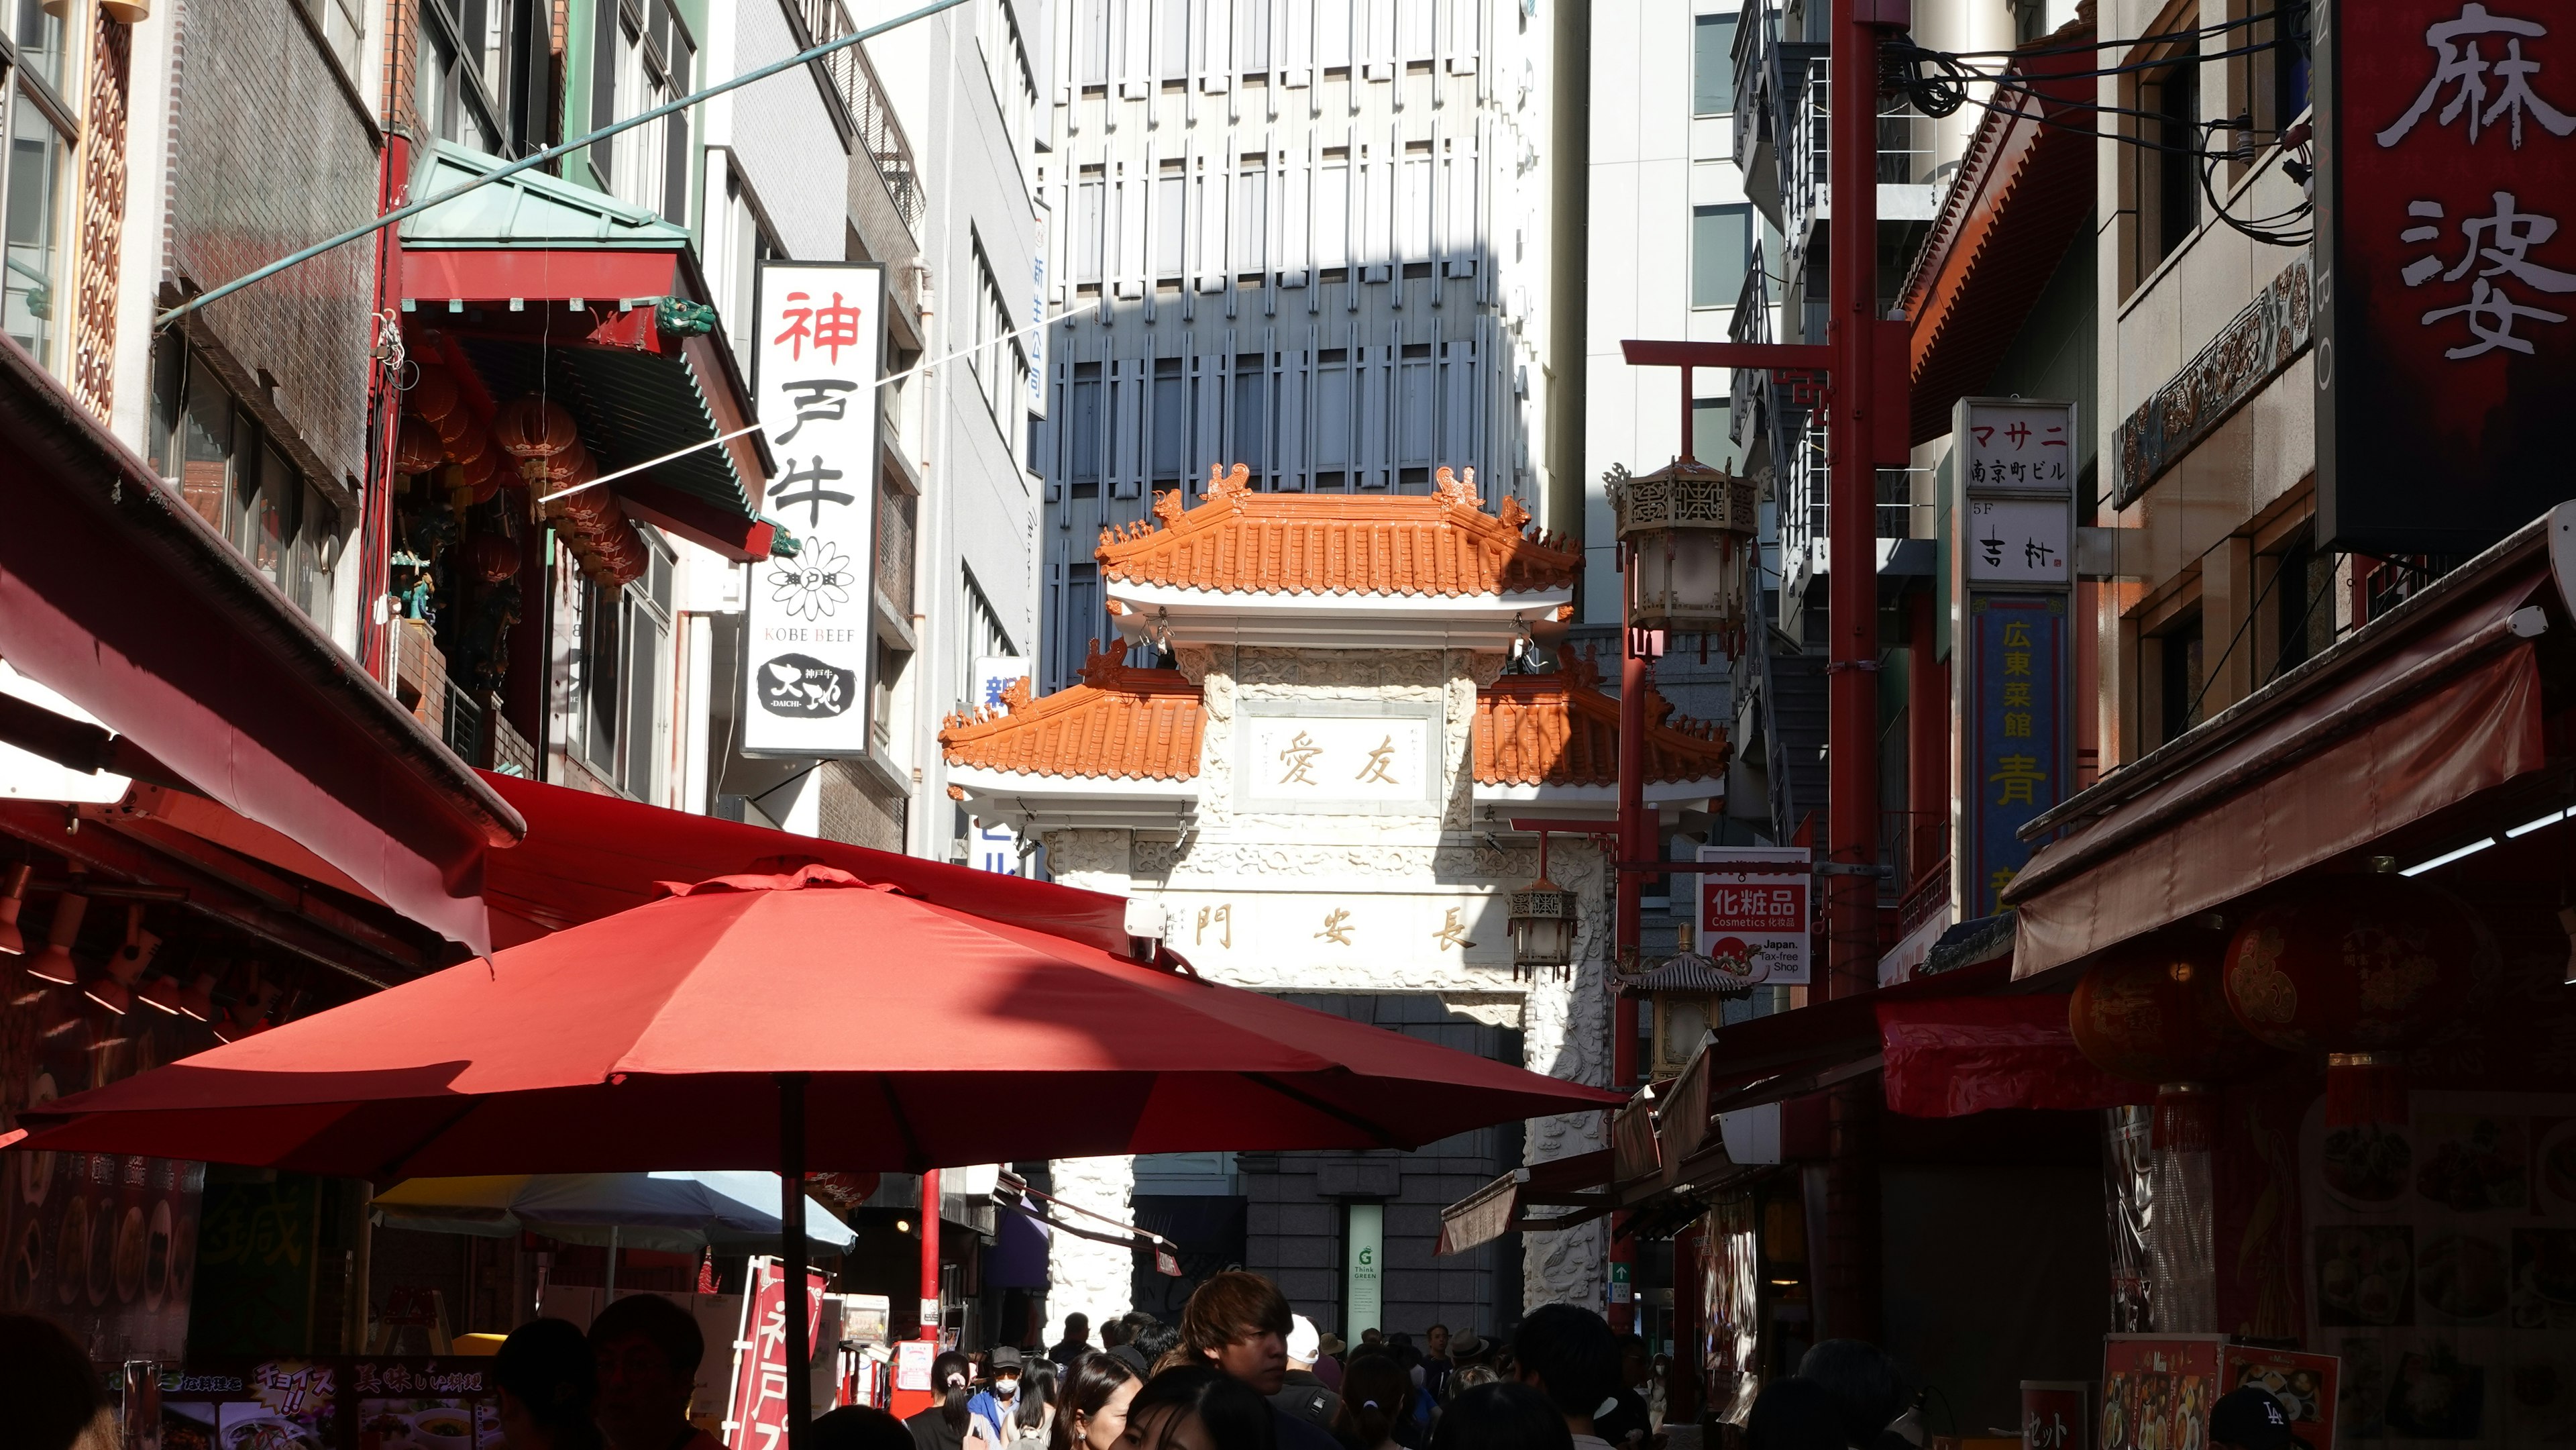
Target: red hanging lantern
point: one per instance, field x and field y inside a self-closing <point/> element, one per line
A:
<point x="432" y="394"/>
<point x="469" y="445"/>
<point x="553" y="472"/>
<point x="2358" y="970"/>
<point x="534" y="430"/>
<point x="453" y="426"/>
<point x="495" y="557"/>
<point x="417" y="447"/>
<point x="2153" y="1011"/>
<point x="483" y="476"/>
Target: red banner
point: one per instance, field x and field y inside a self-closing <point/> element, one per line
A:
<point x="758" y="1414"/>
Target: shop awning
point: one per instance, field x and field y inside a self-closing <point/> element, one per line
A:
<point x="495" y="274"/>
<point x="588" y="856"/>
<point x="119" y="597"/>
<point x="1580" y="1185"/>
<point x="1954" y="1056"/>
<point x="2023" y="191"/>
<point x="2415" y="713"/>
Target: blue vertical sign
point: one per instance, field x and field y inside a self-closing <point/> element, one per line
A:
<point x="1001" y="682"/>
<point x="2017" y="728"/>
<point x="2012" y="580"/>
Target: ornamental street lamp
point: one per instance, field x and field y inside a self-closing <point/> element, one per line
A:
<point x="1688" y="532"/>
<point x="1542" y="922"/>
<point x="1686" y="991"/>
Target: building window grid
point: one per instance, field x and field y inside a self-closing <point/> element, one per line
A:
<point x="213" y="452"/>
<point x="43" y="133"/>
<point x="646" y="58"/>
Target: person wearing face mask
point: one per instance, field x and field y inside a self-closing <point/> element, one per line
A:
<point x="989" y="1414"/>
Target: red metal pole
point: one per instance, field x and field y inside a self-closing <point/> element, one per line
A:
<point x="930" y="1256"/>
<point x="1851" y="1289"/>
<point x="1636" y="842"/>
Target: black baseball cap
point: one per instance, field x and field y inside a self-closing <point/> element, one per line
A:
<point x="2250" y="1419"/>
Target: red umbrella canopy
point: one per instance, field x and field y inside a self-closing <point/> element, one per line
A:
<point x="656" y="1038"/>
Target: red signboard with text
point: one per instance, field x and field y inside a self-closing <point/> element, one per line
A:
<point x="1755" y="913"/>
<point x="2446" y="290"/>
<point x="757" y="1417"/>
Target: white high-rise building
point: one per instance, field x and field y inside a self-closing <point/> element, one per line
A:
<point x="1307" y="236"/>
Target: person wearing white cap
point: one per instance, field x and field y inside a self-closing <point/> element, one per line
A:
<point x="1303" y="1395"/>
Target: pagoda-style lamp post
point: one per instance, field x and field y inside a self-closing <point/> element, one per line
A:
<point x="1687" y="530"/>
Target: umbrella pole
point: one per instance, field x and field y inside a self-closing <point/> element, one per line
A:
<point x="610" y="1297"/>
<point x="791" y="1244"/>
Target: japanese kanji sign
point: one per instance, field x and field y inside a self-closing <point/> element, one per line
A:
<point x="996" y="846"/>
<point x="811" y="631"/>
<point x="757" y="1416"/>
<point x="2446" y="173"/>
<point x="2012" y="524"/>
<point x="2016" y="736"/>
<point x="1755" y="907"/>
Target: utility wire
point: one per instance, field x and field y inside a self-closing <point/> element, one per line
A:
<point x="551" y="153"/>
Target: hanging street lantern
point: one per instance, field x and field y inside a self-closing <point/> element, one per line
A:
<point x="1543" y="918"/>
<point x="1686" y="534"/>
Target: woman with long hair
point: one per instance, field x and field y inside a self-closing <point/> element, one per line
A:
<point x="1091" y="1406"/>
<point x="1377" y="1397"/>
<point x="1034" y="1416"/>
<point x="1500" y="1415"/>
<point x="1199" y="1407"/>
<point x="943" y="1425"/>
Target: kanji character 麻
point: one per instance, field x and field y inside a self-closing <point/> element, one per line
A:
<point x="2459" y="60"/>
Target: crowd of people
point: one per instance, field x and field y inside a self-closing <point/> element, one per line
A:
<point x="1241" y="1371"/>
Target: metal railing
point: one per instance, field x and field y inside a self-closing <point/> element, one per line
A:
<point x="880" y="135"/>
<point x="1904" y="149"/>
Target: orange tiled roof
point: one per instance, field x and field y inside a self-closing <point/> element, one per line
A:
<point x="1240" y="541"/>
<point x="1560" y="729"/>
<point x="1556" y="729"/>
<point x="1123" y="722"/>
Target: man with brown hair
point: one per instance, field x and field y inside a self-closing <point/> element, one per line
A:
<point x="1239" y="1322"/>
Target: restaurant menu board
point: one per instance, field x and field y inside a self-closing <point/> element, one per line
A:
<point x="2157" y="1390"/>
<point x="354" y="1402"/>
<point x="2442" y="1269"/>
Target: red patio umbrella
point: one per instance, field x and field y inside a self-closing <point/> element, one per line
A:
<point x="656" y="1038"/>
<point x="793" y="1022"/>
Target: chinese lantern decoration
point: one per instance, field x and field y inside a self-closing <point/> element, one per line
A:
<point x="536" y="431"/>
<point x="468" y="445"/>
<point x="2154" y="1011"/>
<point x="496" y="557"/>
<point x="482" y="478"/>
<point x="452" y="426"/>
<point x="417" y="447"/>
<point x="432" y="395"/>
<point x="2358" y="971"/>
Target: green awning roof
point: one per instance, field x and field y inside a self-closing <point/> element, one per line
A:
<point x="529" y="209"/>
<point x="631" y="406"/>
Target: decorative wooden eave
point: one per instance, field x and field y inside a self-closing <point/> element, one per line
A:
<point x="1124" y="723"/>
<point x="1560" y="729"/>
<point x="1238" y="541"/>
<point x="1120" y="723"/>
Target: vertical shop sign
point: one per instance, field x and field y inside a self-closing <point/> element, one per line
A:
<point x="997" y="846"/>
<point x="2446" y="282"/>
<point x="812" y="632"/>
<point x="1363" y="1300"/>
<point x="756" y="1417"/>
<point x="2012" y="575"/>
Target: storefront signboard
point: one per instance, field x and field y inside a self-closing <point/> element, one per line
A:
<point x="1756" y="906"/>
<point x="342" y="1402"/>
<point x="2011" y="671"/>
<point x="757" y="1415"/>
<point x="2157" y="1390"/>
<point x="812" y="629"/>
<point x="2446" y="284"/>
<point x="1365" y="1249"/>
<point x="2056" y="1415"/>
<point x="996" y="846"/>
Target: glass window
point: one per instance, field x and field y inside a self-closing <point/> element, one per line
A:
<point x="2179" y="663"/>
<point x="206" y="449"/>
<point x="39" y="38"/>
<point x="602" y="626"/>
<point x="1721" y="238"/>
<point x="39" y="161"/>
<point x="1712" y="65"/>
